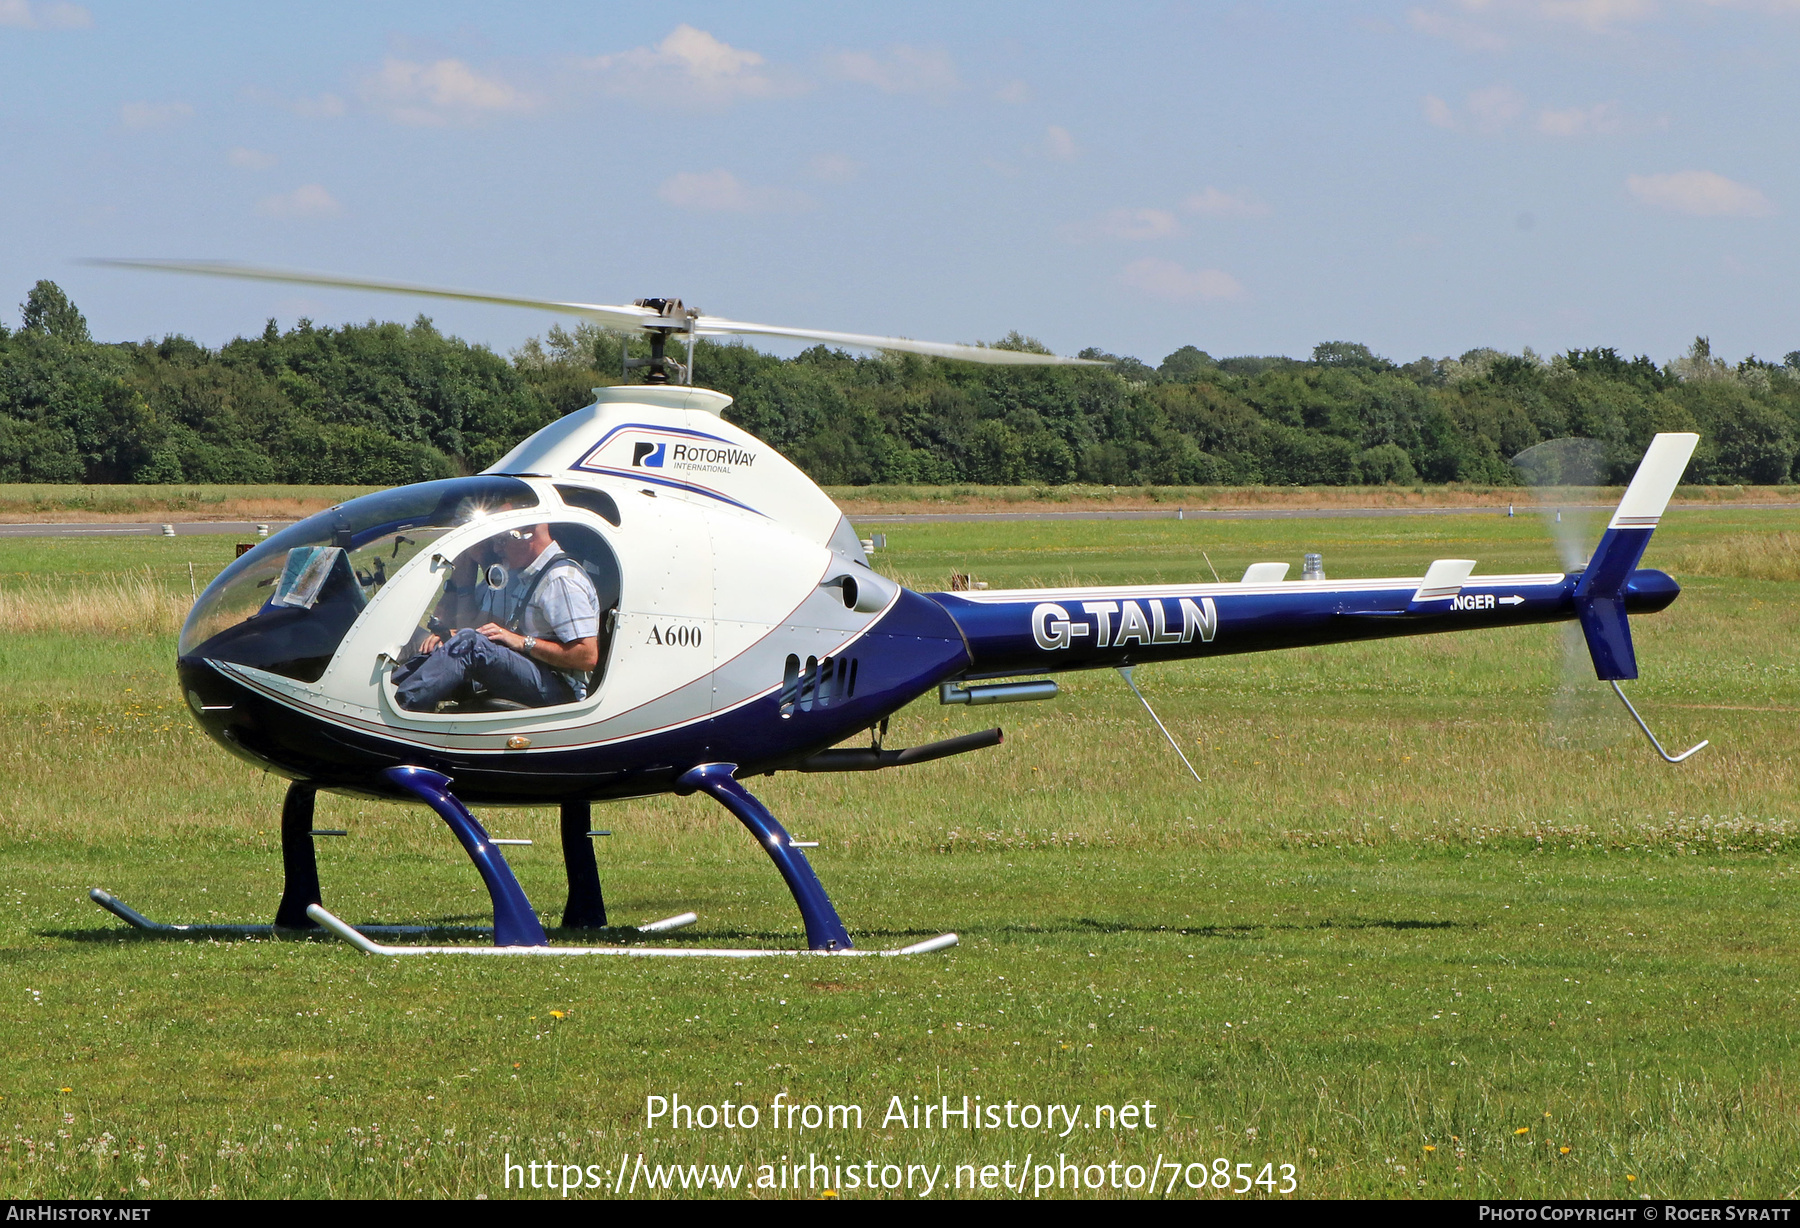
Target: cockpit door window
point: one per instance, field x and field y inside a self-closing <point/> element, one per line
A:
<point x="569" y="593"/>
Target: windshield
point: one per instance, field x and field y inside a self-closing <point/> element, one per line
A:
<point x="286" y="605"/>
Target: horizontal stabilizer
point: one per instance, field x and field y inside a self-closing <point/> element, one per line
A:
<point x="1442" y="584"/>
<point x="1265" y="573"/>
<point x="1443" y="581"/>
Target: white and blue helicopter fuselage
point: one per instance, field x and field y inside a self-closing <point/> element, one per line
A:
<point x="743" y="628"/>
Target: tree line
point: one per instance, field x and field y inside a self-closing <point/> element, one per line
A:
<point x="386" y="403"/>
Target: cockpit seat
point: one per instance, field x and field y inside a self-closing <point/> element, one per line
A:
<point x="471" y="697"/>
<point x="483" y="703"/>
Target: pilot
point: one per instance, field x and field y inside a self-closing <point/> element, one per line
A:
<point x="540" y="642"/>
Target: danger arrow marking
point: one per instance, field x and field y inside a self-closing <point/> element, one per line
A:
<point x="1515" y="600"/>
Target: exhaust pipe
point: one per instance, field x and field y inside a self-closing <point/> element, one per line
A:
<point x="871" y="760"/>
<point x="999" y="693"/>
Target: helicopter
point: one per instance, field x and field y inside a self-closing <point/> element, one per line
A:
<point x="742" y="632"/>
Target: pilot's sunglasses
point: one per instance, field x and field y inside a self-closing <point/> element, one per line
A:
<point x="519" y="535"/>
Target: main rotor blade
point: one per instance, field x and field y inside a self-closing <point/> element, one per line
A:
<point x="610" y="316"/>
<point x="714" y="326"/>
<point x="617" y="317"/>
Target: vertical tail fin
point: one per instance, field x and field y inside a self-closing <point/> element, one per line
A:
<point x="1600" y="596"/>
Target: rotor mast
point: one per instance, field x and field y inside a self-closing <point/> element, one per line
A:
<point x="671" y="318"/>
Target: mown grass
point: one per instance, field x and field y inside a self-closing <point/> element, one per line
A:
<point x="887" y="500"/>
<point x="1421" y="902"/>
<point x="31" y="502"/>
<point x="23" y="502"/>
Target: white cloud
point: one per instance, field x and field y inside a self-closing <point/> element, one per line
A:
<point x="1165" y="279"/>
<point x="154" y="114"/>
<point x="1014" y="92"/>
<point x="833" y="168"/>
<point x="699" y="68"/>
<point x="1601" y="119"/>
<point x="1491" y="110"/>
<point x="902" y="70"/>
<point x="325" y="106"/>
<point x="1138" y="224"/>
<point x="1465" y="34"/>
<point x="307" y="201"/>
<point x="723" y="192"/>
<point x="23" y="15"/>
<point x="1058" y="145"/>
<point x="1496" y="107"/>
<point x="1597" y="15"/>
<point x="1213" y="202"/>
<point x="1473" y="27"/>
<point x="250" y="159"/>
<point x="448" y="91"/>
<point x="1129" y="224"/>
<point x="1776" y="7"/>
<point x="1701" y="194"/>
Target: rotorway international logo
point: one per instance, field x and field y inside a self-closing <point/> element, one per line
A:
<point x="692" y="457"/>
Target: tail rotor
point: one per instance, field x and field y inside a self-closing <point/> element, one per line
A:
<point x="1563" y="476"/>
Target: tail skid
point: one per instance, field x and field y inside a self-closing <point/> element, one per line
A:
<point x="1666" y="756"/>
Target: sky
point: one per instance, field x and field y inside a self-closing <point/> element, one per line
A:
<point x="1424" y="178"/>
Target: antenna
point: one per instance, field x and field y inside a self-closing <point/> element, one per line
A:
<point x="1125" y="673"/>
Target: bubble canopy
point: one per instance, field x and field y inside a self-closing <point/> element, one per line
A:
<point x="286" y="605"/>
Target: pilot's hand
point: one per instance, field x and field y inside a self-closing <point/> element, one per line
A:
<point x="429" y="644"/>
<point x="500" y="635"/>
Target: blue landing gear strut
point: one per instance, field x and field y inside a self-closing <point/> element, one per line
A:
<point x="299" y="861"/>
<point x="515" y="923"/>
<point x="824" y="932"/>
<point x="586" y="907"/>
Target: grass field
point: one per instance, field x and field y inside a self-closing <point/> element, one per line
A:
<point x="29" y="502"/>
<point x="1433" y="926"/>
<point x="22" y="503"/>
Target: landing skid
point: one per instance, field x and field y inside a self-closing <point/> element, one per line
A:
<point x="516" y="928"/>
<point x="369" y="947"/>
<point x="137" y="920"/>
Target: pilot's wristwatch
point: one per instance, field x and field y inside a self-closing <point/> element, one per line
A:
<point x="528" y="645"/>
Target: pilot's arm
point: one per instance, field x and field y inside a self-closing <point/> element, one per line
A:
<point x="578" y="656"/>
<point x="571" y="596"/>
<point x="458" y="607"/>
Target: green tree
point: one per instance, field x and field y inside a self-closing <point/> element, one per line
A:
<point x="47" y="312"/>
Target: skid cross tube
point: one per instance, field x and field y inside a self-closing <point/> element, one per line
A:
<point x="515" y="922"/>
<point x="824" y="932"/>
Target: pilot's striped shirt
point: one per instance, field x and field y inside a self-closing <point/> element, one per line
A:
<point x="565" y="607"/>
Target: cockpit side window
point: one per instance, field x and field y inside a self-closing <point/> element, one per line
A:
<point x="587" y="498"/>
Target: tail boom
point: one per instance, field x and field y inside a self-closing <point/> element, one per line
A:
<point x="1031" y="631"/>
